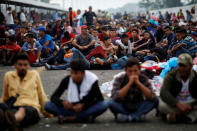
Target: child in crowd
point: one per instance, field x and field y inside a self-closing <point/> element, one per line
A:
<point x="109" y="50"/>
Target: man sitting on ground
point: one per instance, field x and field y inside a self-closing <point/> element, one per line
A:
<point x="132" y="96"/>
<point x="47" y="43"/>
<point x="84" y="42"/>
<point x="32" y="48"/>
<point x="179" y="93"/>
<point x="124" y="46"/>
<point x="84" y="99"/>
<point x="23" y="95"/>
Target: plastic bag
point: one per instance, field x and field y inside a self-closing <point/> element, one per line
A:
<point x="167" y="66"/>
<point x="156" y="83"/>
<point x="106" y="88"/>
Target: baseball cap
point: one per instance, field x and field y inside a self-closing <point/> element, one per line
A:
<point x="185" y="59"/>
<point x="42" y="28"/>
<point x="84" y="27"/>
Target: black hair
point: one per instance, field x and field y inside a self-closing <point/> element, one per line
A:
<point x="31" y="35"/>
<point x="9" y="8"/>
<point x="135" y="30"/>
<point x="144" y="28"/>
<point x="94" y="29"/>
<point x="168" y="27"/>
<point x="184" y="30"/>
<point x="78" y="65"/>
<point x="124" y="36"/>
<point x="21" y="56"/>
<point x="146" y="32"/>
<point x="180" y="30"/>
<point x="49" y="26"/>
<point x="12" y="38"/>
<point x="104" y="28"/>
<point x="176" y="21"/>
<point x="105" y="38"/>
<point x="131" y="62"/>
<point x="67" y="35"/>
<point x="113" y="29"/>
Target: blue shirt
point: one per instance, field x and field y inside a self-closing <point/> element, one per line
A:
<point x="36" y="46"/>
<point x="46" y="38"/>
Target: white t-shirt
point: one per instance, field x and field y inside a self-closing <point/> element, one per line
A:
<point x="9" y="19"/>
<point x="79" y="22"/>
<point x="184" y="95"/>
<point x="122" y="46"/>
<point x="22" y="17"/>
<point x="120" y="31"/>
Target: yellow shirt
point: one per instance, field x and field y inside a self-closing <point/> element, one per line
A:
<point x="30" y="90"/>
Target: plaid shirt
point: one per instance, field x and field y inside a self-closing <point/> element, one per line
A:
<point x="134" y="94"/>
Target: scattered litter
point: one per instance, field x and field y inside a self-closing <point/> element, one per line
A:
<point x="84" y="126"/>
<point x="156" y="83"/>
<point x="106" y="88"/>
<point x="47" y="125"/>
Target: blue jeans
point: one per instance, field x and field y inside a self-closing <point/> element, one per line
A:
<point x="142" y="108"/>
<point x="93" y="111"/>
<point x="151" y="57"/>
<point x="76" y="55"/>
<point x="181" y="51"/>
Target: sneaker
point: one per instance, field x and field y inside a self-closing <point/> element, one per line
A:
<point x="124" y="118"/>
<point x="68" y="119"/>
<point x="47" y="66"/>
<point x="171" y="118"/>
<point x="37" y="60"/>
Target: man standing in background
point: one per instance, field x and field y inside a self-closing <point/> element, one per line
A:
<point x="71" y="16"/>
<point x="89" y="17"/>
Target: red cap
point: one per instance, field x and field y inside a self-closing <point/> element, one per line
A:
<point x="84" y="27"/>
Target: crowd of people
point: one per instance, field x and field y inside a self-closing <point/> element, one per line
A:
<point x="82" y="42"/>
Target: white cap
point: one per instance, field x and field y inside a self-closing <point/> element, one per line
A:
<point x="182" y="23"/>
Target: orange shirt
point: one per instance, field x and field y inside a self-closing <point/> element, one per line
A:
<point x="73" y="16"/>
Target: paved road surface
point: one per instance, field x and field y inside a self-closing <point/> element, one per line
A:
<point x="51" y="80"/>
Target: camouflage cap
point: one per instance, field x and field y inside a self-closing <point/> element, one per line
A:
<point x="185" y="59"/>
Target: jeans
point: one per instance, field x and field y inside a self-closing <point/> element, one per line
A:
<point x="151" y="57"/>
<point x="164" y="108"/>
<point x="93" y="111"/>
<point x="142" y="108"/>
<point x="76" y="55"/>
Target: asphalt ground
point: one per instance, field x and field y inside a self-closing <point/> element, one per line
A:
<point x="105" y="122"/>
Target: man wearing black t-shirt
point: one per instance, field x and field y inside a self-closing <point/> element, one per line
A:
<point x="89" y="16"/>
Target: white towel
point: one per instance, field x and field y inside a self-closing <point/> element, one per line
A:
<point x="86" y="85"/>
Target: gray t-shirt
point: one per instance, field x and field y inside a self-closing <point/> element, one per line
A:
<point x="84" y="41"/>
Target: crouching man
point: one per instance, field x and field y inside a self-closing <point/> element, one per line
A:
<point x="178" y="93"/>
<point x="84" y="100"/>
<point x="23" y="96"/>
<point x="132" y="96"/>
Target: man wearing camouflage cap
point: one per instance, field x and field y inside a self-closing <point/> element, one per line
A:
<point x="179" y="92"/>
